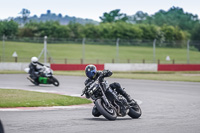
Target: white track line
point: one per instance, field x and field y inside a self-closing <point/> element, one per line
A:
<point x="47" y="108"/>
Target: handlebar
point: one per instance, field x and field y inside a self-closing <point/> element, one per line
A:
<point x="84" y="91"/>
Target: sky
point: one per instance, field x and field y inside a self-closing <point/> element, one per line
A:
<point x="93" y="9"/>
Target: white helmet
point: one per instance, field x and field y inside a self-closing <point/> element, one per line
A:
<point x="34" y="60"/>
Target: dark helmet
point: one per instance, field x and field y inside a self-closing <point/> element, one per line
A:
<point x="90" y="71"/>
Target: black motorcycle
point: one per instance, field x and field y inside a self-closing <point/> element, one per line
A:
<point x="108" y="102"/>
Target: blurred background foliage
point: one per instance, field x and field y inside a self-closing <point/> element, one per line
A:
<point x="169" y="26"/>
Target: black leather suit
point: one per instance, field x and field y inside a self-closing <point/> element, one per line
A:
<point x="33" y="70"/>
<point x="115" y="85"/>
<point x="106" y="73"/>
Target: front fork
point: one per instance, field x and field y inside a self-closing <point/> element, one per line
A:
<point x="104" y="97"/>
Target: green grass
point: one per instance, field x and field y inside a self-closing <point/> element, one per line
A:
<point x="190" y="76"/>
<point x="21" y="98"/>
<point x="102" y="53"/>
<point x="164" y="76"/>
<point x="70" y="73"/>
<point x="12" y="72"/>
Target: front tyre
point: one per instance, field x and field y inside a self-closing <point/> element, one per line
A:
<point x="108" y="112"/>
<point x="135" y="111"/>
<point x="95" y="112"/>
<point x="55" y="81"/>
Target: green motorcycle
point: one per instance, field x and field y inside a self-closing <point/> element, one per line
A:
<point x="45" y="76"/>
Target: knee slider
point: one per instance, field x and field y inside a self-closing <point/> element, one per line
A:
<point x="117" y="85"/>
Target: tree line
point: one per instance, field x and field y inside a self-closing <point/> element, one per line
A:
<point x="63" y="20"/>
<point x="171" y="26"/>
<point x="102" y="31"/>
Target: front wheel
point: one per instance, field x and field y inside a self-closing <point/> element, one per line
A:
<point x="108" y="112"/>
<point x="135" y="111"/>
<point x="55" y="81"/>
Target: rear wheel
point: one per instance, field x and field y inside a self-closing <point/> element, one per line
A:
<point x="135" y="111"/>
<point x="55" y="81"/>
<point x="108" y="112"/>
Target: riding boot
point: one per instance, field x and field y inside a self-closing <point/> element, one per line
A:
<point x="128" y="97"/>
<point x="33" y="79"/>
<point x="121" y="91"/>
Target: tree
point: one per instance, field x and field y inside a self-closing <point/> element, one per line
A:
<point x="76" y="30"/>
<point x="196" y="36"/>
<point x="150" y="32"/>
<point x="113" y="16"/>
<point x="25" y="14"/>
<point x="174" y="36"/>
<point x="91" y="31"/>
<point x="175" y="16"/>
<point x="8" y="28"/>
<point x="1" y="28"/>
<point x="138" y="18"/>
<point x="126" y="31"/>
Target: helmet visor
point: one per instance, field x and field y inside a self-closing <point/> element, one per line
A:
<point x="91" y="74"/>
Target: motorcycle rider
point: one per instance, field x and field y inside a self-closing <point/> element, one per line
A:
<point x="92" y="74"/>
<point x="34" y="70"/>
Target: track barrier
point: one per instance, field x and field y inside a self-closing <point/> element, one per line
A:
<point x="178" y="67"/>
<point x="73" y="67"/>
<point x="110" y="66"/>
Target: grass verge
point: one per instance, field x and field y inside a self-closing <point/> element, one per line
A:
<point x="70" y="73"/>
<point x="163" y="76"/>
<point x="73" y="53"/>
<point x="22" y="98"/>
<point x="11" y="72"/>
<point x="189" y="76"/>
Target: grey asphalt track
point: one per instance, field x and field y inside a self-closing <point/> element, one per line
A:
<point x="168" y="107"/>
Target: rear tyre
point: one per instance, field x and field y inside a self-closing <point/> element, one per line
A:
<point x="135" y="111"/>
<point x="55" y="81"/>
<point x="108" y="112"/>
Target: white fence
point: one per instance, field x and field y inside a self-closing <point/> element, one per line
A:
<point x="15" y="66"/>
<point x="131" y="67"/>
<point x="110" y="66"/>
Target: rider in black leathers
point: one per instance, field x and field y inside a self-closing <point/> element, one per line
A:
<point x="34" y="70"/>
<point x="92" y="74"/>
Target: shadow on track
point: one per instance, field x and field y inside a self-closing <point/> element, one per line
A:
<point x="41" y="86"/>
<point x="104" y="119"/>
<point x="1" y="127"/>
